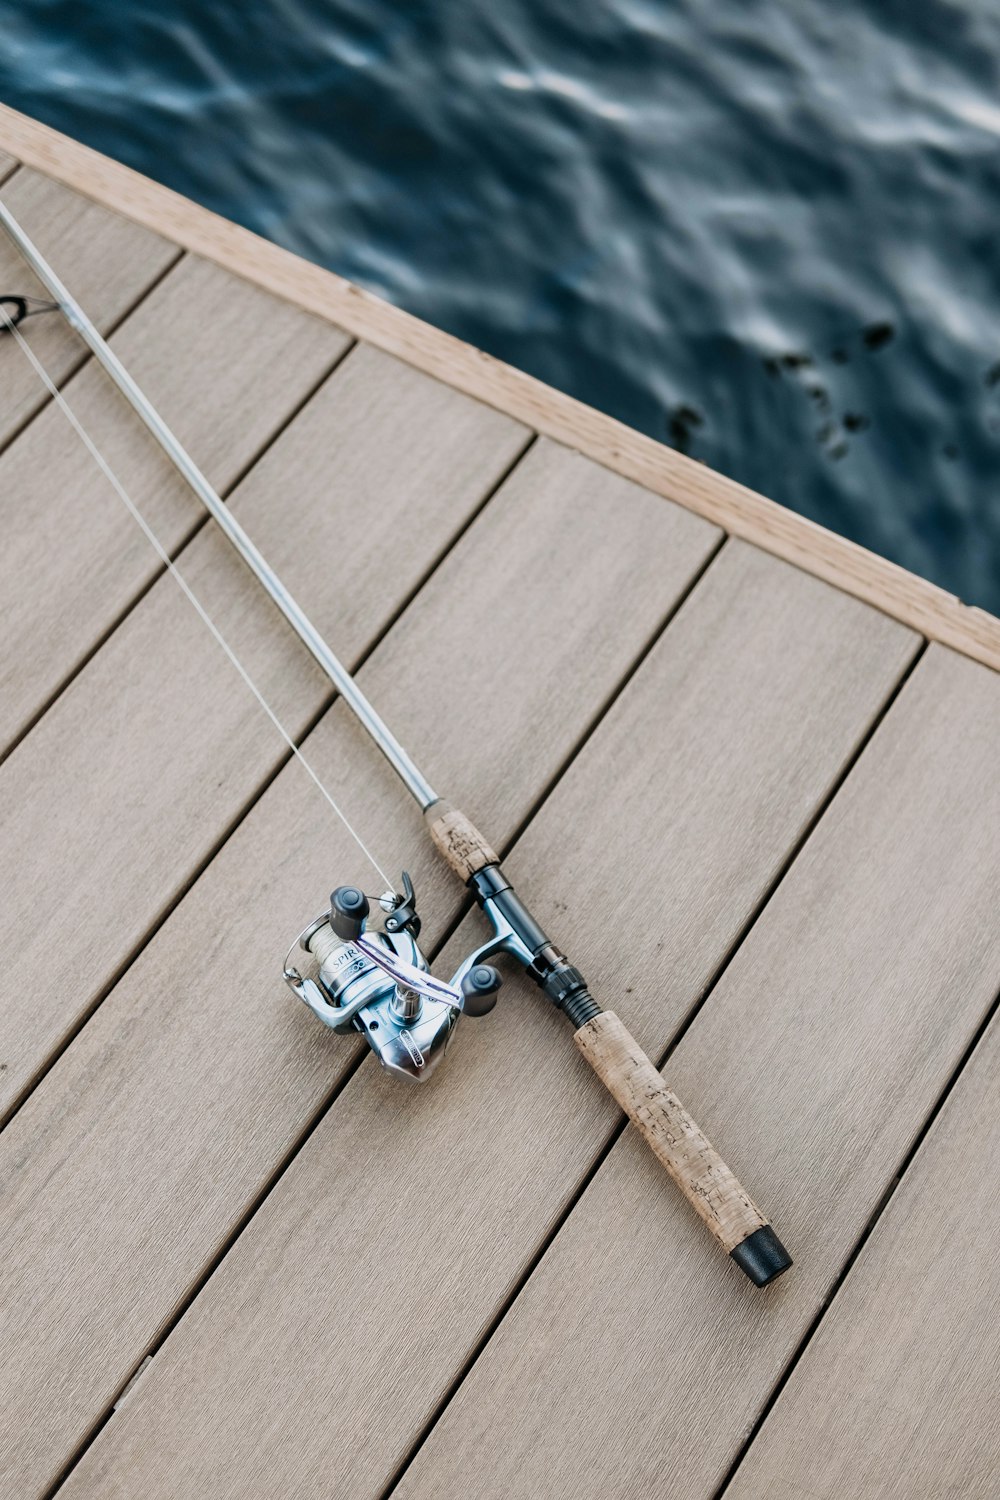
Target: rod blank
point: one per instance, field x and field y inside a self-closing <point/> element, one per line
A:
<point x="413" y="779"/>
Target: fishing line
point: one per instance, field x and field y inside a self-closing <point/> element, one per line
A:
<point x="10" y="325"/>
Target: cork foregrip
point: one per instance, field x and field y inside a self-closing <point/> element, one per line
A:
<point x="689" y="1157"/>
<point x="459" y="840"/>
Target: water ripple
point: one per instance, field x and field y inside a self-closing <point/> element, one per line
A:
<point x="762" y="231"/>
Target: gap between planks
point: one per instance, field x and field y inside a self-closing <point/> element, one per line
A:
<point x="926" y="608"/>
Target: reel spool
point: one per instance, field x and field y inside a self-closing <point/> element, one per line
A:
<point x="379" y="982"/>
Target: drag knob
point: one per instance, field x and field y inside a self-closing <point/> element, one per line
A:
<point x="348" y="912"/>
<point x="479" y="990"/>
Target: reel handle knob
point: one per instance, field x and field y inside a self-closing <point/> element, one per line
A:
<point x="479" y="990"/>
<point x="348" y="912"/>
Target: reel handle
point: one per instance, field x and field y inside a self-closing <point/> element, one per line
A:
<point x="479" y="990"/>
<point x="679" y="1144"/>
<point x="349" y="910"/>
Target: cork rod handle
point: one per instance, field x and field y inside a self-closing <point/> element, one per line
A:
<point x="458" y="839"/>
<point x="681" y="1146"/>
<point x="627" y="1073"/>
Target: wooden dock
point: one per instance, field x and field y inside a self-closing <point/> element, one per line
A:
<point x="238" y="1260"/>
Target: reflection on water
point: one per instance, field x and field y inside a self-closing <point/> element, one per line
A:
<point x="763" y="230"/>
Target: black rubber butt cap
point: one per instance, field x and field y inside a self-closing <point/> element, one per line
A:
<point x="762" y="1256"/>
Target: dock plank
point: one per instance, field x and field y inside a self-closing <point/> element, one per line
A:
<point x="182" y="1094"/>
<point x="226" y="365"/>
<point x="628" y="1358"/>
<point x="334" y="1326"/>
<point x="8" y="164"/>
<point x="898" y="1394"/>
<point x="107" y="262"/>
<point x="156" y="746"/>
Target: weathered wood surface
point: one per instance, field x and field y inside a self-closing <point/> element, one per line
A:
<point x="740" y="511"/>
<point x="630" y="1356"/>
<point x="110" y="263"/>
<point x="333" y="1336"/>
<point x="199" y="1071"/>
<point x="898" y="1395"/>
<point x="125" y="786"/>
<point x="326" y="1382"/>
<point x="226" y="365"/>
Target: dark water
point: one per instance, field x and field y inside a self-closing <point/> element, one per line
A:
<point x="764" y="232"/>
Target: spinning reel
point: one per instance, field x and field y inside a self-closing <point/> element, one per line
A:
<point x="379" y="983"/>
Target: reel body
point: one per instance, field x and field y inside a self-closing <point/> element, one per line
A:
<point x="379" y="982"/>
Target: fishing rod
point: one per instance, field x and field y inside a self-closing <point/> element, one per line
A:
<point x="368" y="974"/>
